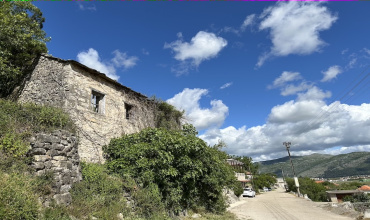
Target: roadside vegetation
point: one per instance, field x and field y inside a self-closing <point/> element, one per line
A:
<point x="317" y="191"/>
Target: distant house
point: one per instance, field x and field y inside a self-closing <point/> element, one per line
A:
<point x="243" y="177"/>
<point x="365" y="189"/>
<point x="100" y="107"/>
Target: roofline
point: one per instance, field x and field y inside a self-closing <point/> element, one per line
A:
<point x="94" y="72"/>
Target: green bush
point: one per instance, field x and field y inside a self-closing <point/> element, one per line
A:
<point x="99" y="194"/>
<point x="314" y="191"/>
<point x="237" y="188"/>
<point x="188" y="173"/>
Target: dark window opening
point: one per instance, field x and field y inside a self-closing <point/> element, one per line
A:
<point x="128" y="110"/>
<point x="97" y="102"/>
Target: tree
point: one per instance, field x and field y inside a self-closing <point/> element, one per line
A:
<point x="187" y="172"/>
<point x="21" y="41"/>
<point x="314" y="191"/>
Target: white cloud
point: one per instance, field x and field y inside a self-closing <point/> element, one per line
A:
<point x="291" y="89"/>
<point x="203" y="46"/>
<point x="294" y="27"/>
<point x="285" y="77"/>
<point x="86" y="6"/>
<point x="92" y="59"/>
<point x="311" y="126"/>
<point x="249" y="20"/>
<point x="123" y="60"/>
<point x="331" y="73"/>
<point x="226" y="85"/>
<point x="201" y="118"/>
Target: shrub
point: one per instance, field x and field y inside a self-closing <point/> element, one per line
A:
<point x="187" y="171"/>
<point x="99" y="194"/>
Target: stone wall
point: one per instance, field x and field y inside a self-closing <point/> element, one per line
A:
<point x="57" y="153"/>
<point x="69" y="84"/>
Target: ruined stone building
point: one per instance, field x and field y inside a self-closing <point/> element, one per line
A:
<point x="100" y="107"/>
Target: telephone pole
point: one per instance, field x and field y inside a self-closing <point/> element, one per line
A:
<point x="287" y="145"/>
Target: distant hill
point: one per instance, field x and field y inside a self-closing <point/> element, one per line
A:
<point x="320" y="165"/>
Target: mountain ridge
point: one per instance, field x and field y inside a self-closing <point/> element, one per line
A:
<point x="320" y="165"/>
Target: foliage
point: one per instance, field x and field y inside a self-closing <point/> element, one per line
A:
<point x="237" y="188"/>
<point x="348" y="185"/>
<point x="99" y="194"/>
<point x="357" y="198"/>
<point x="314" y="191"/>
<point x="18" y="196"/>
<point x="19" y="121"/>
<point x="167" y="116"/>
<point x="264" y="180"/>
<point x="21" y="40"/>
<point x="186" y="171"/>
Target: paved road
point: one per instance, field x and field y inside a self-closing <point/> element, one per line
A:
<point x="278" y="205"/>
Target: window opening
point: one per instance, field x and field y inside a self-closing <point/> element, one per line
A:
<point x="97" y="102"/>
<point x="128" y="108"/>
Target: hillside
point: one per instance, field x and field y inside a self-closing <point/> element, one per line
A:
<point x="320" y="165"/>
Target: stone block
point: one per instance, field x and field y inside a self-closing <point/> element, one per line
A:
<point x="52" y="153"/>
<point x="60" y="158"/>
<point x="66" y="179"/>
<point x="40" y="172"/>
<point x="56" y="146"/>
<point x="39" y="145"/>
<point x="48" y="164"/>
<point x="65" y="188"/>
<point x="47" y="146"/>
<point x="38" y="165"/>
<point x="69" y="165"/>
<point x="41" y="158"/>
<point x="64" y="142"/>
<point x="63" y="199"/>
<point x="38" y="151"/>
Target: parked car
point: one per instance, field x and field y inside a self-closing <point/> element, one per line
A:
<point x="248" y="192"/>
<point x="265" y="189"/>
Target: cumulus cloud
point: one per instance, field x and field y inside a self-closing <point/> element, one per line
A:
<point x="311" y="126"/>
<point x="294" y="27"/>
<point x="201" y="118"/>
<point x="203" y="46"/>
<point x="226" y="85"/>
<point x="285" y="77"/>
<point x="331" y="73"/>
<point x="92" y="59"/>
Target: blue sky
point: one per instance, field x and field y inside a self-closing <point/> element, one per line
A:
<point x="254" y="74"/>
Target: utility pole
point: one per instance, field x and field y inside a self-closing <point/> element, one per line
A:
<point x="287" y="145"/>
<point x="285" y="185"/>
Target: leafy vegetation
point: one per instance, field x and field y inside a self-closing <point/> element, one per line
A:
<point x="167" y="116"/>
<point x="186" y="172"/>
<point x="19" y="121"/>
<point x="21" y="40"/>
<point x="264" y="180"/>
<point x="357" y="198"/>
<point x="314" y="191"/>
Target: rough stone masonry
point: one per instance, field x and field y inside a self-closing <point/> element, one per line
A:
<point x="57" y="153"/>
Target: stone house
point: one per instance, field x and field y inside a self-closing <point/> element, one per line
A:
<point x="100" y="107"/>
